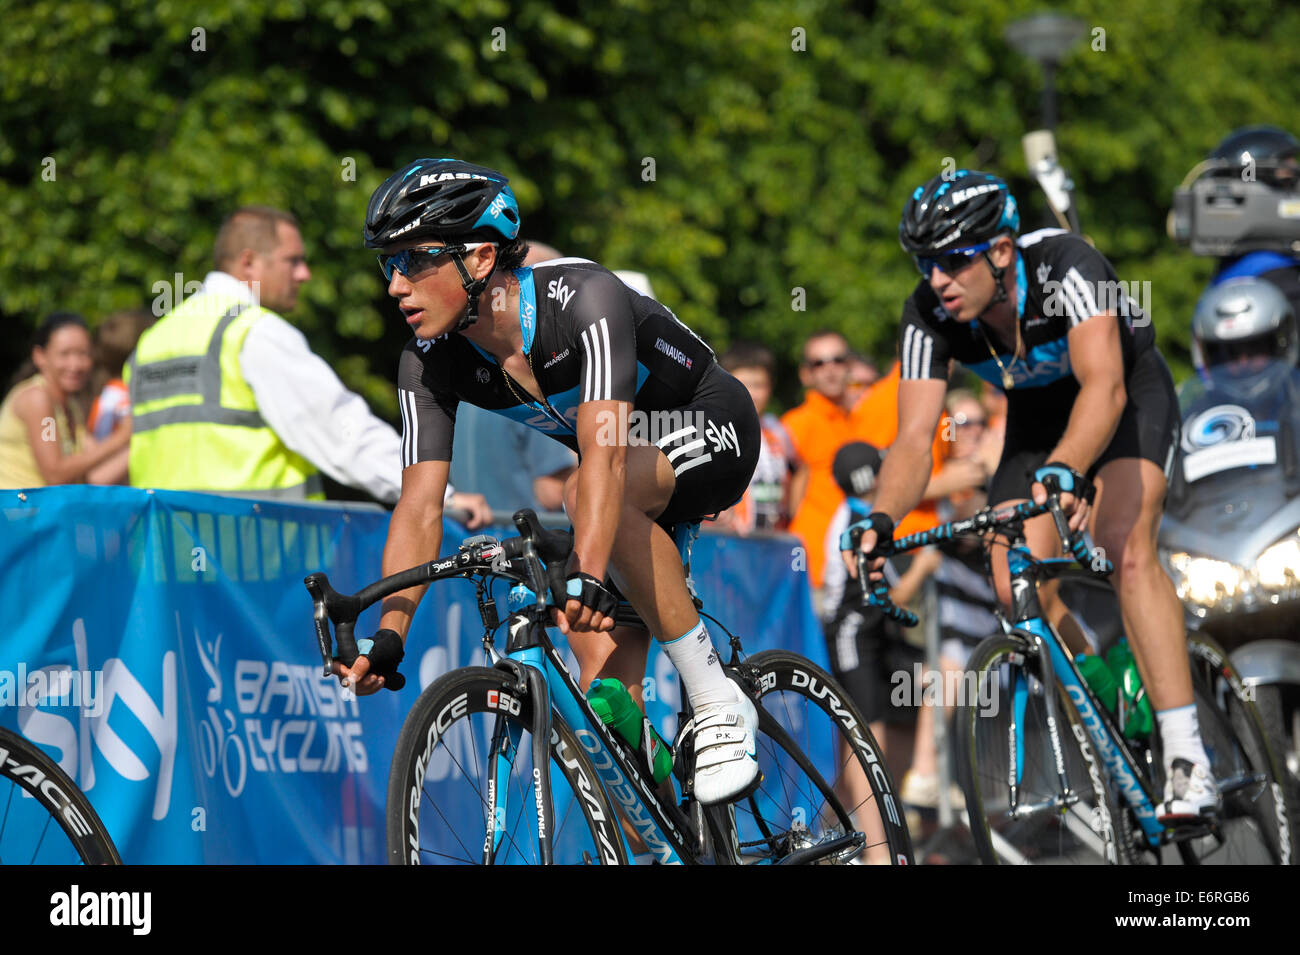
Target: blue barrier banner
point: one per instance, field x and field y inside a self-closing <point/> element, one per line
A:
<point x="159" y="646"/>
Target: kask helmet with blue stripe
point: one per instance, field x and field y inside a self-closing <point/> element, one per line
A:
<point x="443" y="198"/>
<point x="957" y="210"/>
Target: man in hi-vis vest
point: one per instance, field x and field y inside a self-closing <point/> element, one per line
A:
<point x="227" y="396"/>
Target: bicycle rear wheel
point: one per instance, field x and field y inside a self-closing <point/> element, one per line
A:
<point x="1253" y="826"/>
<point x="828" y="782"/>
<point x="439" y="798"/>
<point x="1046" y="829"/>
<point x="44" y="818"/>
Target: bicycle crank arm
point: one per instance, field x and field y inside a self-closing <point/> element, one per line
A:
<point x="1054" y="804"/>
<point x="853" y="841"/>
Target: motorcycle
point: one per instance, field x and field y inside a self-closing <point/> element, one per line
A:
<point x="1230" y="537"/>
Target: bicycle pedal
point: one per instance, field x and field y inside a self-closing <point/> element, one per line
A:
<point x="1188" y="828"/>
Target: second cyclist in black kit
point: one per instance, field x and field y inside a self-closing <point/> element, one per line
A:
<point x="568" y="348"/>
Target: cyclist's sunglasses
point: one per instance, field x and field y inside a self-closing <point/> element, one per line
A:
<point x="414" y="261"/>
<point x="949" y="262"/>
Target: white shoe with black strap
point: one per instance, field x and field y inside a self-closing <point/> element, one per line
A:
<point x="726" y="762"/>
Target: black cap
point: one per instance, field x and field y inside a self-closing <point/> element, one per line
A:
<point x="855" y="468"/>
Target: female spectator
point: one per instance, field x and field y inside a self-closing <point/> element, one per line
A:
<point x="42" y="432"/>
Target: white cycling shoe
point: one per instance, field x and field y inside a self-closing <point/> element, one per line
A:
<point x="726" y="763"/>
<point x="1190" y="794"/>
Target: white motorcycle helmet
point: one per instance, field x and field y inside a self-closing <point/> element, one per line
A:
<point x="1239" y="320"/>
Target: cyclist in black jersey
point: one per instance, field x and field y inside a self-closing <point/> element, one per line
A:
<point x="1042" y="317"/>
<point x="664" y="435"/>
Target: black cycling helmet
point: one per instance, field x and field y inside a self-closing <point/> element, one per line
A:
<point x="1266" y="147"/>
<point x="955" y="211"/>
<point x="444" y="198"/>
<point x="448" y="200"/>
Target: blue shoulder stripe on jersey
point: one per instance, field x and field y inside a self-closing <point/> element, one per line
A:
<point x="527" y="306"/>
<point x="1254" y="263"/>
<point x="1022" y="285"/>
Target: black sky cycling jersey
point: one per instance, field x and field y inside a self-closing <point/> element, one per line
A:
<point x="589" y="337"/>
<point x="1060" y="281"/>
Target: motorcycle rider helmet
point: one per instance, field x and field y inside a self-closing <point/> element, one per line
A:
<point x="1241" y="328"/>
<point x="1265" y="152"/>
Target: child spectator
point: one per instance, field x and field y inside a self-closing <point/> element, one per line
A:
<point x="766" y="504"/>
<point x="866" y="648"/>
<point x="114" y="340"/>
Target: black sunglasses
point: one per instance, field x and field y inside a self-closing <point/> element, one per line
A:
<point x="818" y="362"/>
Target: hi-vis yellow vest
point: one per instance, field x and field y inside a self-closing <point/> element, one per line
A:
<point x="194" y="419"/>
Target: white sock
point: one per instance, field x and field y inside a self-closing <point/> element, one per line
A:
<point x="700" y="667"/>
<point x="1180" y="731"/>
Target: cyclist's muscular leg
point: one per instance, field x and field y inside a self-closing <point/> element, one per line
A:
<point x="1130" y="498"/>
<point x="656" y="586"/>
<point x="1040" y="535"/>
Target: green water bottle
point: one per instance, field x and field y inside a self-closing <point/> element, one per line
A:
<point x="1134" y="709"/>
<point x="1099" y="678"/>
<point x="616" y="708"/>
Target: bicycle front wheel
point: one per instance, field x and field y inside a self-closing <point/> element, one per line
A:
<point x="44" y="818"/>
<point x="824" y="776"/>
<point x="1254" y="827"/>
<point x="1049" y="825"/>
<point x="441" y="796"/>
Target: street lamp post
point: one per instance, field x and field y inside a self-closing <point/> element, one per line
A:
<point x="1046" y="38"/>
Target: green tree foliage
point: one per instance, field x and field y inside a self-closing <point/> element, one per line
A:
<point x="734" y="152"/>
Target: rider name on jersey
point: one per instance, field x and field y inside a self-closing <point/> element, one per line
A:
<point x="676" y="354"/>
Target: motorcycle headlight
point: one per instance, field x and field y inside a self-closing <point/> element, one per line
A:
<point x="1207" y="582"/>
<point x="1278" y="568"/>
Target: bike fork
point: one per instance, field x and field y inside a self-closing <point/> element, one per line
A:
<point x="505" y="746"/>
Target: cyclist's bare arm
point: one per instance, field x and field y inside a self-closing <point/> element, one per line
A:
<point x="906" y="471"/>
<point x="414" y="537"/>
<point x="1098" y="364"/>
<point x="602" y="479"/>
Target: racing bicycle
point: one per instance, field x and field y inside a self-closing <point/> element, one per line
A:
<point x="507" y="763"/>
<point x="44" y="818"/>
<point x="1047" y="774"/>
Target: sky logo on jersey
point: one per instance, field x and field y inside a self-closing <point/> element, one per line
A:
<point x="556" y="289"/>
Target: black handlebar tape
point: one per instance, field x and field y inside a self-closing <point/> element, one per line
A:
<point x="347" y="643"/>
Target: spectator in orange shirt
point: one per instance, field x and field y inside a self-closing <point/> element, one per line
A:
<point x="875" y="420"/>
<point x="862" y="375"/>
<point x="817" y="428"/>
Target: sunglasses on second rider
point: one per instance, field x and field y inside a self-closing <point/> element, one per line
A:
<point x="950" y="263"/>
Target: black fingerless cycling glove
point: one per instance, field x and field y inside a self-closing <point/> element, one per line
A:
<point x="385" y="652"/>
<point x="590" y="592"/>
